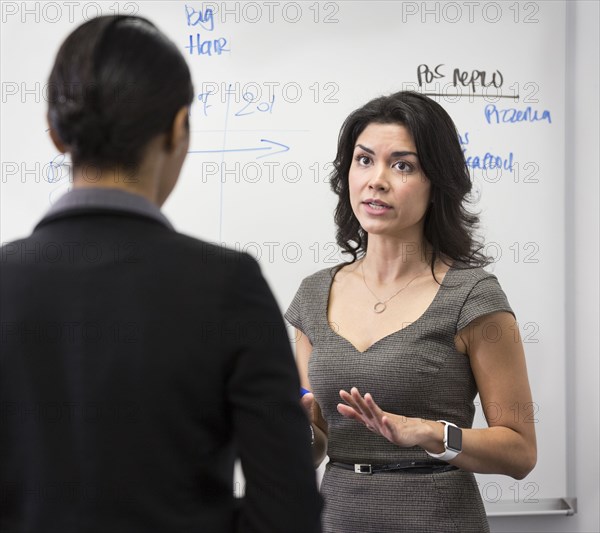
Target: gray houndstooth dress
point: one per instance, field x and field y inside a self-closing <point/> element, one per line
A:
<point x="416" y="372"/>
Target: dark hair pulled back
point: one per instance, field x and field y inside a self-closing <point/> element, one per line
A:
<point x="117" y="82"/>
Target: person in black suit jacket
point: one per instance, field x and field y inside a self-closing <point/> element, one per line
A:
<point x="137" y="363"/>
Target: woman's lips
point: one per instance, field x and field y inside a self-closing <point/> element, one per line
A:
<point x="376" y="207"/>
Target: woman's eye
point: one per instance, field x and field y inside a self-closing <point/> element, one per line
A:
<point x="403" y="166"/>
<point x="363" y="159"/>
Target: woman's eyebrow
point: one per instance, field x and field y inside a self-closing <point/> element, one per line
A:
<point x="368" y="150"/>
<point x="403" y="153"/>
<point x="393" y="154"/>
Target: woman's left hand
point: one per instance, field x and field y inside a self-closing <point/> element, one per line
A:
<point x="398" y="429"/>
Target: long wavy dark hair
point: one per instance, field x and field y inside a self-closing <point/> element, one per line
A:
<point x="449" y="226"/>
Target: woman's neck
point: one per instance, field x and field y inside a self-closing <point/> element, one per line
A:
<point x="388" y="260"/>
<point x="112" y="179"/>
<point x="145" y="180"/>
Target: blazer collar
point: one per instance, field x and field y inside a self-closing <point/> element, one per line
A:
<point x="103" y="199"/>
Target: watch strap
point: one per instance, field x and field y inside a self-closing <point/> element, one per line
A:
<point x="447" y="454"/>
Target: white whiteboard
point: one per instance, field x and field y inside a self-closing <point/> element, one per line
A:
<point x="260" y="183"/>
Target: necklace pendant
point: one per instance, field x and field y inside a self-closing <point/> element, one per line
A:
<point x="379" y="307"/>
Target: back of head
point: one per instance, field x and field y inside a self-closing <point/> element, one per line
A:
<point x="117" y="82"/>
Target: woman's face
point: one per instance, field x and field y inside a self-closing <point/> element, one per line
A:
<point x="389" y="193"/>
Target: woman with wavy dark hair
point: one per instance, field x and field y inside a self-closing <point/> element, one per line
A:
<point x="407" y="333"/>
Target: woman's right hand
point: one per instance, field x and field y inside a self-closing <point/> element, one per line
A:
<point x="319" y="445"/>
<point x="308" y="402"/>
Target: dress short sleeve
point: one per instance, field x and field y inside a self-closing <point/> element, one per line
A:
<point x="308" y="309"/>
<point x="294" y="313"/>
<point x="485" y="297"/>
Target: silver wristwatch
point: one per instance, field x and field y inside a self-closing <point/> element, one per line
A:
<point x="452" y="442"/>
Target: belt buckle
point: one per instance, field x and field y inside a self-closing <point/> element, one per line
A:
<point x="362" y="468"/>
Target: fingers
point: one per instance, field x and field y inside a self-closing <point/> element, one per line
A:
<point x="348" y="399"/>
<point x="364" y="410"/>
<point x="307" y="401"/>
<point x="350" y="409"/>
<point x="365" y="406"/>
<point x="373" y="407"/>
<point x="352" y="398"/>
<point x="348" y="412"/>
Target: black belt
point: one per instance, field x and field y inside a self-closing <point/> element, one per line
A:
<point x="416" y="467"/>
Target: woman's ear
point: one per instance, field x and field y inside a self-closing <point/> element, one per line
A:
<point x="180" y="129"/>
<point x="56" y="140"/>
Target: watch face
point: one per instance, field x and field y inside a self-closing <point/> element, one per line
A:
<point x="454" y="438"/>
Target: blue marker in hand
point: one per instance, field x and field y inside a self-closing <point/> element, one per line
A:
<point x="303" y="391"/>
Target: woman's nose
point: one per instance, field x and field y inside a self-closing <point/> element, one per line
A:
<point x="378" y="180"/>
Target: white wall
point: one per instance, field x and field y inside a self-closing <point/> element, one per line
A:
<point x="582" y="259"/>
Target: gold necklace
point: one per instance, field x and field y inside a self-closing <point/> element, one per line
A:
<point x="380" y="306"/>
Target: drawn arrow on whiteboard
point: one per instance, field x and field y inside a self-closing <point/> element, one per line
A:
<point x="267" y="149"/>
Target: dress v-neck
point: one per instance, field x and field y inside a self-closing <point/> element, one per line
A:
<point x="389" y="335"/>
